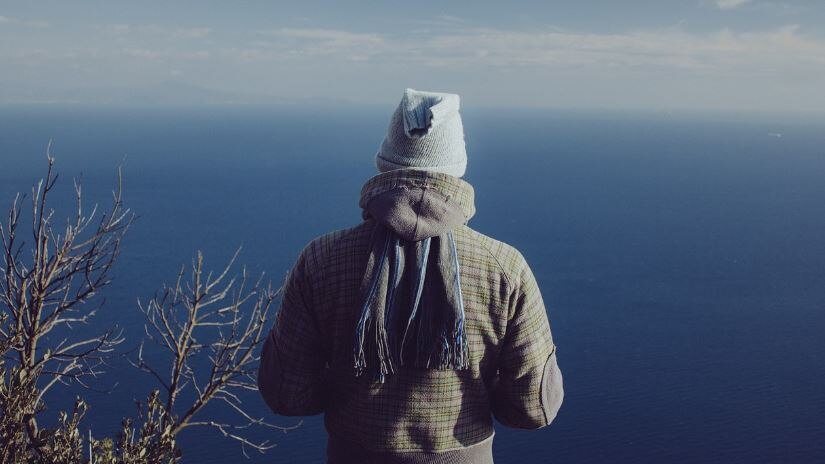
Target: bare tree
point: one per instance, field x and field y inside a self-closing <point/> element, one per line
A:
<point x="216" y="317"/>
<point x="48" y="288"/>
<point x="209" y="328"/>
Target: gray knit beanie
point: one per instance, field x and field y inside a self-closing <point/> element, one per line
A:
<point x="425" y="133"/>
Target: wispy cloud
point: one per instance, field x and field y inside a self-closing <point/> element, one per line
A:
<point x="312" y="43"/>
<point x="155" y="31"/>
<point x="730" y="4"/>
<point x="190" y="32"/>
<point x="23" y="22"/>
<point x="724" y="51"/>
<point x="441" y="21"/>
<point x="315" y="41"/>
<point x="313" y="58"/>
<point x="720" y="51"/>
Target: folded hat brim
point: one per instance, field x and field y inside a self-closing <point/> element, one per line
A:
<point x="457" y="169"/>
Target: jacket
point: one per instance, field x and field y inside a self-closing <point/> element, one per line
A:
<point x="416" y="415"/>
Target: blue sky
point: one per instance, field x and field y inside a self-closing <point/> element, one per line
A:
<point x="662" y="55"/>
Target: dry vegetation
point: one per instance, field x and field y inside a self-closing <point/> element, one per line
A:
<point x="209" y="327"/>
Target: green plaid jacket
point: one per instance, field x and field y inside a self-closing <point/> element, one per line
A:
<point x="307" y="362"/>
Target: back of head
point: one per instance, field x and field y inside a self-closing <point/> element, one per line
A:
<point x="426" y="133"/>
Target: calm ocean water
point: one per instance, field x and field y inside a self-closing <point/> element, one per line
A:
<point x="682" y="257"/>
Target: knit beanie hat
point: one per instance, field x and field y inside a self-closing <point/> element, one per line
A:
<point x="425" y="133"/>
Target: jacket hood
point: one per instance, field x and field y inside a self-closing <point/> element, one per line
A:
<point x="417" y="204"/>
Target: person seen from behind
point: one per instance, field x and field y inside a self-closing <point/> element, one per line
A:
<point x="411" y="331"/>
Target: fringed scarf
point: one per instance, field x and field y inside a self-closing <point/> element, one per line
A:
<point x="412" y="310"/>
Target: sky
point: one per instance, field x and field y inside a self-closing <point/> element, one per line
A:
<point x="757" y="55"/>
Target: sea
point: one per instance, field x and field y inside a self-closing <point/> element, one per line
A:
<point x="681" y="256"/>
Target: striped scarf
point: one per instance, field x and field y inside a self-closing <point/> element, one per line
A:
<point x="412" y="311"/>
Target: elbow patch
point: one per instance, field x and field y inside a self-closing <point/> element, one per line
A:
<point x="552" y="390"/>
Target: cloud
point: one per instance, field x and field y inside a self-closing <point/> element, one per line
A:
<point x="730" y="4"/>
<point x="721" y="61"/>
<point x="722" y="51"/>
<point x="191" y="32"/>
<point x="117" y="29"/>
<point x="144" y="53"/>
<point x="323" y="41"/>
<point x="23" y="22"/>
<point x="154" y="31"/>
<point x="441" y="21"/>
<point x="308" y="43"/>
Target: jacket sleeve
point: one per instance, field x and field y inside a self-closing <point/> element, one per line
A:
<point x="290" y="376"/>
<point x="528" y="392"/>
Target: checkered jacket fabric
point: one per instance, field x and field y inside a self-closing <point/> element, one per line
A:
<point x="307" y="361"/>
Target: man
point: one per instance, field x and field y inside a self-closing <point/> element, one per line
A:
<point x="411" y="331"/>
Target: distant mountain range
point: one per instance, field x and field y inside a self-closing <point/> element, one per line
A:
<point x="161" y="93"/>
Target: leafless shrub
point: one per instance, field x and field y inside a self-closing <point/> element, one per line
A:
<point x="49" y="287"/>
<point x="216" y="317"/>
<point x="209" y="328"/>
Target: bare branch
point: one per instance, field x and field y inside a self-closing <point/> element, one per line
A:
<point x="54" y="283"/>
<point x="221" y="309"/>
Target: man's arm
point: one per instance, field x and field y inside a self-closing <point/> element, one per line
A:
<point x="290" y="377"/>
<point x="529" y="392"/>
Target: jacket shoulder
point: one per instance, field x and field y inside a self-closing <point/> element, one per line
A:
<point x="320" y="249"/>
<point x="506" y="257"/>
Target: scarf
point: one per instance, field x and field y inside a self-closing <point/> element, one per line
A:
<point x="412" y="310"/>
